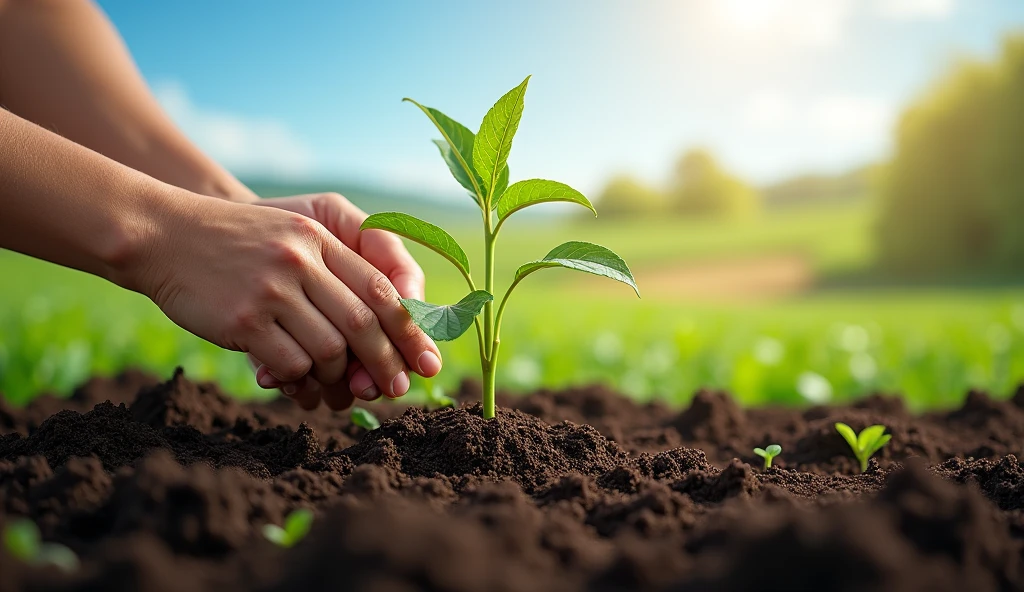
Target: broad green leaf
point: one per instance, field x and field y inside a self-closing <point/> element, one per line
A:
<point x="364" y="419"/>
<point x="21" y="539"/>
<point x="59" y="556"/>
<point x="534" y="191"/>
<point x="456" y="148"/>
<point x="501" y="186"/>
<point x="444" y="323"/>
<point x="586" y="257"/>
<point x="848" y="434"/>
<point x="868" y="436"/>
<point x="879" y="443"/>
<point x="275" y="534"/>
<point x="494" y="140"/>
<point x="774" y="450"/>
<point x="760" y="452"/>
<point x="422" y="232"/>
<point x="298" y="523"/>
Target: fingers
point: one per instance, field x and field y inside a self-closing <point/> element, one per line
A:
<point x="283" y="357"/>
<point x="374" y="289"/>
<point x="324" y="344"/>
<point x="362" y="329"/>
<point x="386" y="252"/>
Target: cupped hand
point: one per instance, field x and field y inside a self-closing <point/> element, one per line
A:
<point x="298" y="287"/>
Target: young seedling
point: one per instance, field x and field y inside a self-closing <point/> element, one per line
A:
<point x="364" y="419"/>
<point x="296" y="527"/>
<point x="870" y="440"/>
<point x="768" y="454"/>
<point x="23" y="541"/>
<point x="479" y="162"/>
<point x="436" y="399"/>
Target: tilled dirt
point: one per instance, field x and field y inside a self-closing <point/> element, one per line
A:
<point x="165" y="485"/>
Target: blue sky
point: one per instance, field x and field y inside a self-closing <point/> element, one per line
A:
<point x="312" y="89"/>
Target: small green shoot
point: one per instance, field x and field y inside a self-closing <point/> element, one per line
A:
<point x="870" y="440"/>
<point x="364" y="419"/>
<point x="23" y="541"/>
<point x="479" y="162"/>
<point x="296" y="527"/>
<point x="436" y="399"/>
<point x="768" y="454"/>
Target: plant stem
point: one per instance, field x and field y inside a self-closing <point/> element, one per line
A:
<point x="490" y="340"/>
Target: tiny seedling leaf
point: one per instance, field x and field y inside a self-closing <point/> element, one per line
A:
<point x="296" y="527"/>
<point x="456" y="148"/>
<point x="364" y="419"/>
<point x="494" y="140"/>
<point x="447" y="322"/>
<point x="436" y="397"/>
<point x="534" y="191"/>
<point x="879" y="443"/>
<point x="22" y="540"/>
<point x="848" y="434"/>
<point x="761" y="452"/>
<point x="586" y="257"/>
<point x="774" y="450"/>
<point x="869" y="435"/>
<point x="422" y="232"/>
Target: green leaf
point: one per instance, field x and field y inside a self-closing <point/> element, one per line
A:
<point x="437" y="398"/>
<point x="494" y="140"/>
<point x="456" y="148"/>
<point x="275" y="534"/>
<point x="879" y="443"/>
<point x="848" y="434"/>
<point x="22" y="540"/>
<point x="501" y="186"/>
<point x="534" y="191"/>
<point x="774" y="450"/>
<point x="422" y="232"/>
<point x="586" y="257"/>
<point x="444" y="323"/>
<point x="298" y="523"/>
<point x="760" y="452"/>
<point x="364" y="419"/>
<point x="59" y="556"/>
<point x="868" y="436"/>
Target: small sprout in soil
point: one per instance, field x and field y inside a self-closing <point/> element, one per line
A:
<point x="296" y="527"/>
<point x="479" y="162"/>
<point x="436" y="399"/>
<point x="23" y="541"/>
<point x="869" y="441"/>
<point x="768" y="453"/>
<point x="364" y="419"/>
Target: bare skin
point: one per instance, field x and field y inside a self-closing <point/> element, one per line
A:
<point x="120" y="192"/>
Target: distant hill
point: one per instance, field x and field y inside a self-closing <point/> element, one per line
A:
<point x="373" y="199"/>
<point x="815" y="188"/>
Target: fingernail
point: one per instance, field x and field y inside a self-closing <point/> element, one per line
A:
<point x="429" y="363"/>
<point x="400" y="384"/>
<point x="361" y="382"/>
<point x="289" y="389"/>
<point x="267" y="381"/>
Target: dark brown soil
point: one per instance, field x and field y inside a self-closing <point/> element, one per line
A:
<point x="164" y="486"/>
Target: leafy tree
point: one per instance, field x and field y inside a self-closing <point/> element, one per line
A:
<point x="700" y="187"/>
<point x="625" y="196"/>
<point x="953" y="196"/>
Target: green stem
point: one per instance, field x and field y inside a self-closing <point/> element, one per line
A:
<point x="490" y="342"/>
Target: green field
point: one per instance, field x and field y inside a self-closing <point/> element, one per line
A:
<point x="60" y="326"/>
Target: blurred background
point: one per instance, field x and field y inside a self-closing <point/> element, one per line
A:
<point x="820" y="199"/>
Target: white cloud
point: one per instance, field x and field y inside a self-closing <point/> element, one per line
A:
<point x="914" y="9"/>
<point x="768" y="109"/>
<point x="245" y="146"/>
<point x="791" y="23"/>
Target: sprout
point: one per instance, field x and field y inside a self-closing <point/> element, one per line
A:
<point x="296" y="527"/>
<point x="436" y="399"/>
<point x="768" y="454"/>
<point x="364" y="419"/>
<point x="23" y="541"/>
<point x="869" y="441"/>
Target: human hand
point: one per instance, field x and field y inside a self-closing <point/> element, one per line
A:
<point x="298" y="287"/>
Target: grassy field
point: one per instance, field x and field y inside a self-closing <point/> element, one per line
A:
<point x="60" y="326"/>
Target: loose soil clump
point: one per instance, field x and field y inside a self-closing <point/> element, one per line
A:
<point x="165" y="485"/>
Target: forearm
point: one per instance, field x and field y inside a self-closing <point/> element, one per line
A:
<point x="69" y="205"/>
<point x="64" y="67"/>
